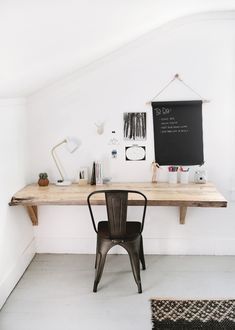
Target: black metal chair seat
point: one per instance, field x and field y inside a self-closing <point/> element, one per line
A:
<point x="133" y="229"/>
<point x="118" y="231"/>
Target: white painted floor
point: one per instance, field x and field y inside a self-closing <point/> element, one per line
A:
<point x="55" y="292"/>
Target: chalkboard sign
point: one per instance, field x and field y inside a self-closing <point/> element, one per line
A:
<point x="178" y="135"/>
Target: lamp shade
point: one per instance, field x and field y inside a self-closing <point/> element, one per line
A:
<point x="71" y="144"/>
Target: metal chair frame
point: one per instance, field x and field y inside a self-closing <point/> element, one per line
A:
<point x="116" y="205"/>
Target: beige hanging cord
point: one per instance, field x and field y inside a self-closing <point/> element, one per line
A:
<point x="176" y="76"/>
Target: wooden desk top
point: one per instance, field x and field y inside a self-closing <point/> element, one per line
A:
<point x="162" y="194"/>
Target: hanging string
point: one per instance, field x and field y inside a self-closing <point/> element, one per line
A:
<point x="186" y="85"/>
<point x="165" y="87"/>
<point x="193" y="90"/>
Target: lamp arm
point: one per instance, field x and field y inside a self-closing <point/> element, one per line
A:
<point x="54" y="157"/>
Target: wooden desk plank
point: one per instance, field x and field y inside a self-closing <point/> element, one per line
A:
<point x="158" y="194"/>
<point x="202" y="195"/>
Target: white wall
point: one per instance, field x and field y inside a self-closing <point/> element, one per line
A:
<point x="81" y="32"/>
<point x="202" y="50"/>
<point x="16" y="234"/>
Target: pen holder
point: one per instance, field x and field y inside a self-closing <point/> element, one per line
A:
<point x="172" y="177"/>
<point x="82" y="182"/>
<point x="184" y="177"/>
<point x="82" y="176"/>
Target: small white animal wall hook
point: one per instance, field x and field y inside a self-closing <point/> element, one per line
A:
<point x="100" y="128"/>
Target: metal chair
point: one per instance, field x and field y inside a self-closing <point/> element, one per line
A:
<point x="118" y="231"/>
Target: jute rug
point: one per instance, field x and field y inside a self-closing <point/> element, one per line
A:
<point x="170" y="314"/>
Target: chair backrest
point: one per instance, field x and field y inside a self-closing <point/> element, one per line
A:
<point x="116" y="205"/>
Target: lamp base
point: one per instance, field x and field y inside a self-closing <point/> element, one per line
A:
<point x="63" y="183"/>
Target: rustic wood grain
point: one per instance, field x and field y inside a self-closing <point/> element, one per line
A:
<point x="33" y="214"/>
<point x="158" y="194"/>
<point x="183" y="210"/>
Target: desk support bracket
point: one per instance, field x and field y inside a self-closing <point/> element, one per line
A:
<point x="33" y="214"/>
<point x="183" y="210"/>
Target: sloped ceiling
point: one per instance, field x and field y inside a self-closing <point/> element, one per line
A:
<point x="42" y="41"/>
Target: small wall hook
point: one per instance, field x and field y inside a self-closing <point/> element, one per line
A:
<point x="177" y="76"/>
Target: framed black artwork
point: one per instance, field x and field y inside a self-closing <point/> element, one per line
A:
<point x="134" y="126"/>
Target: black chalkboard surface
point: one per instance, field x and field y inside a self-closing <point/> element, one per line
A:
<point x="178" y="137"/>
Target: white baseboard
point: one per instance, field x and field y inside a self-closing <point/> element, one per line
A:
<point x="16" y="271"/>
<point x="164" y="246"/>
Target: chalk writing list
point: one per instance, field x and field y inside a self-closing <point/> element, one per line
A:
<point x="170" y="125"/>
<point x="178" y="132"/>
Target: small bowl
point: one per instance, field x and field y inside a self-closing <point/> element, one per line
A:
<point x="106" y="180"/>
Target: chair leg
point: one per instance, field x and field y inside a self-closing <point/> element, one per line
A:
<point x="99" y="270"/>
<point x="96" y="255"/>
<point x="103" y="246"/>
<point x="133" y="248"/>
<point x="142" y="259"/>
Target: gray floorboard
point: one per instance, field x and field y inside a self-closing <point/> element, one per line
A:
<point x="55" y="292"/>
